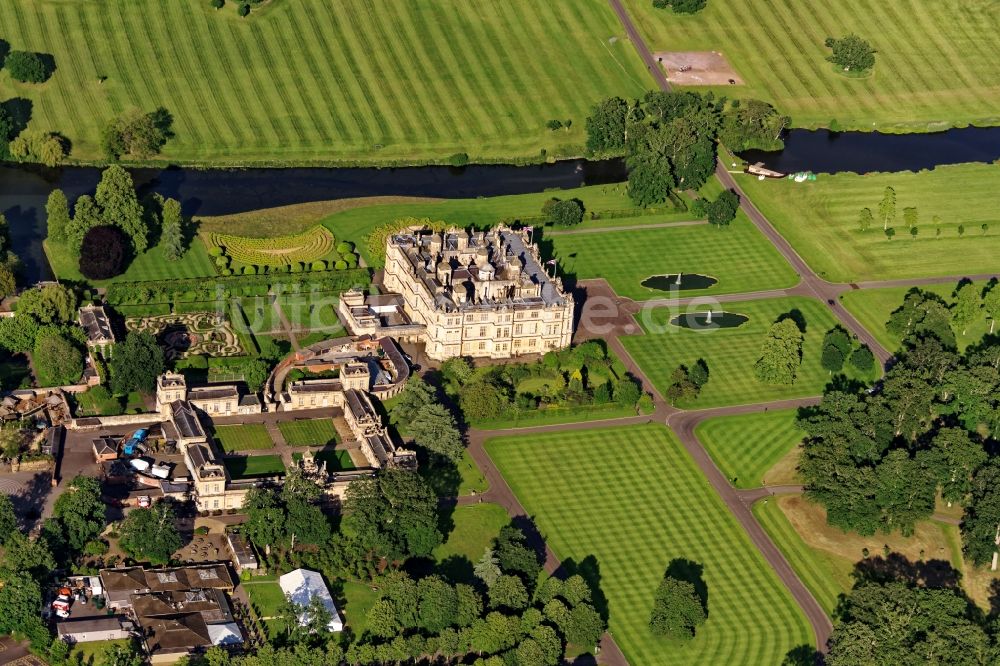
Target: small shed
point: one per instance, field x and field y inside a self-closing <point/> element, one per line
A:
<point x="301" y="585"/>
<point x="93" y="629"/>
<point x="105" y="448"/>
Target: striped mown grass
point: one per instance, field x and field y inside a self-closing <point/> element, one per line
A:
<point x="748" y="446"/>
<point x="633" y="499"/>
<point x="738" y="256"/>
<point x="872" y="308"/>
<point x="242" y="437"/>
<point x="820" y="219"/>
<point x="354" y="80"/>
<point x="934" y="68"/>
<point x="149" y="266"/>
<point x="731" y="353"/>
<point x="308" y="432"/>
<point x="251" y="466"/>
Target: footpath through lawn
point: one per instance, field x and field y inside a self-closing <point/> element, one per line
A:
<point x="633" y="499"/>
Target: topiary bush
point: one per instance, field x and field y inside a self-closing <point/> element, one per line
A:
<point x="319" y="265"/>
<point x="459" y="159"/>
<point x="215" y="251"/>
<point x="351" y="259"/>
<point x="243" y="10"/>
<point x="222" y="261"/>
<point x="218" y="4"/>
<point x="340" y="265"/>
<point x="345" y="247"/>
<point x="249" y="270"/>
<point x="103" y="253"/>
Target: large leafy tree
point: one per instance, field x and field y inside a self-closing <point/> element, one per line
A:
<point x="21" y="601"/>
<point x="48" y="304"/>
<point x="981" y="522"/>
<point x="851" y="53"/>
<point x="8" y="519"/>
<point x="57" y="360"/>
<point x="120" y="206"/>
<point x="172" y="237"/>
<point x="416" y="395"/>
<point x="81" y="511"/>
<point x="677" y="609"/>
<point x="151" y="534"/>
<point x="434" y="428"/>
<point x="86" y="216"/>
<point x="136" y="363"/>
<point x="103" y="253"/>
<point x="968" y="306"/>
<point x="781" y="354"/>
<point x="393" y="515"/>
<point x="57" y="215"/>
<point x="265" y="517"/>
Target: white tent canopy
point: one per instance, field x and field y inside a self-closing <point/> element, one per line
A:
<point x="225" y="634"/>
<point x="302" y="585"/>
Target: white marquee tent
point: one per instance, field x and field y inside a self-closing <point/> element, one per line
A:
<point x="302" y="585"/>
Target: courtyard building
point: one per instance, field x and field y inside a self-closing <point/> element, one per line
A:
<point x="479" y="294"/>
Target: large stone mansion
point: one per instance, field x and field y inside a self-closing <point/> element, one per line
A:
<point x="478" y="294"/>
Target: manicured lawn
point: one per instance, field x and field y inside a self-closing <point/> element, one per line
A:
<point x="336" y="459"/>
<point x="243" y="437"/>
<point x="255" y="315"/>
<point x="747" y="447"/>
<point x="89" y="405"/>
<point x="312" y="312"/>
<point x="266" y="597"/>
<point x="251" y="466"/>
<point x="820" y="219"/>
<point x="824" y="556"/>
<point x="92" y="653"/>
<point x="933" y="67"/>
<point x="739" y="257"/>
<point x="360" y="598"/>
<point x="355" y="80"/>
<point x="308" y="432"/>
<point x="872" y="308"/>
<point x="151" y="265"/>
<point x="475" y="527"/>
<point x="633" y="499"/>
<point x="731" y="353"/>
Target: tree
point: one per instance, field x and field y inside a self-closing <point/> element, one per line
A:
<point x="86" y="215"/>
<point x="136" y="363"/>
<point x="151" y="534"/>
<point x="722" y="211"/>
<point x="136" y="134"/>
<point x="103" y="253"/>
<point x="434" y="428"/>
<point x="515" y="555"/>
<point x="416" y="395"/>
<point x="865" y="219"/>
<point x="953" y="458"/>
<point x="18" y="333"/>
<point x="862" y="359"/>
<point x="677" y="609"/>
<point x="681" y="6"/>
<point x="627" y="391"/>
<point x="57" y="361"/>
<point x="8" y="519"/>
<point x="585" y="626"/>
<point x="566" y="213"/>
<point x="781" y="354"/>
<point x="265" y="517"/>
<point x="49" y="304"/>
<point x="752" y="123"/>
<point x="487" y="569"/>
<point x="8" y="282"/>
<point x="887" y="207"/>
<point x="57" y="216"/>
<point x="606" y="126"/>
<point x="80" y="510"/>
<point x="120" y="206"/>
<point x="7" y="129"/>
<point x="851" y="53"/>
<point x="26" y="67"/>
<point x="508" y="592"/>
<point x="910" y="217"/>
<point x="48" y="148"/>
<point x="21" y="599"/>
<point x="438" y="605"/>
<point x="457" y="370"/>
<point x="116" y="654"/>
<point x="991" y="304"/>
<point x="172" y="238"/>
<point x="836" y="348"/>
<point x="483" y="400"/>
<point x="255" y="373"/>
<point x="26" y="556"/>
<point x="982" y="515"/>
<point x="968" y="304"/>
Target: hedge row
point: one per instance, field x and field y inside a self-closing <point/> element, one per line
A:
<point x="201" y="289"/>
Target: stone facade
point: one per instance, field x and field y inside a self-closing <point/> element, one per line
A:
<point x="214" y="400"/>
<point x="482" y="294"/>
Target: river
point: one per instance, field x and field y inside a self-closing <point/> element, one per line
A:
<point x="823" y="151"/>
<point x="24" y="189"/>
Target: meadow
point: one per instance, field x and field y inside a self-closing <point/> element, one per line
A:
<point x="820" y="219"/>
<point x="731" y="353"/>
<point x="242" y="437"/>
<point x="934" y="67"/>
<point x="635" y="516"/>
<point x="872" y="308"/>
<point x="738" y="256"/>
<point x="748" y="448"/>
<point x="824" y="556"/>
<point x="369" y="81"/>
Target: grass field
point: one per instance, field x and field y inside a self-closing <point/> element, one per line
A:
<point x="266" y="597"/>
<point x="242" y="437"/>
<point x="91" y="653"/>
<point x="635" y="516"/>
<point x="475" y="526"/>
<point x="748" y="447"/>
<point x="337" y="460"/>
<point x="933" y="68"/>
<point x="824" y="556"/>
<point x="820" y="219"/>
<point x="251" y="466"/>
<point x="872" y="308"/>
<point x="308" y="432"/>
<point x="312" y="312"/>
<point x="731" y="353"/>
<point x="148" y="266"/>
<point x="361" y="80"/>
<point x="739" y="257"/>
